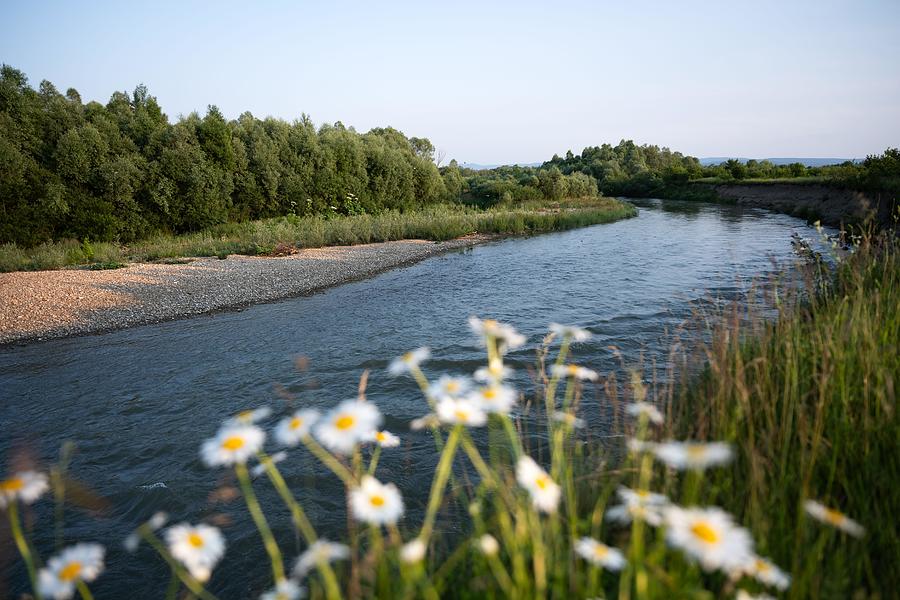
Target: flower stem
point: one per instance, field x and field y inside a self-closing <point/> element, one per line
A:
<point x="84" y="591"/>
<point x="260" y="519"/>
<point x="330" y="461"/>
<point x="195" y="587"/>
<point x="22" y="545"/>
<point x="440" y="482"/>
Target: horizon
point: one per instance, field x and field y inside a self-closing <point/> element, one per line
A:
<point x="819" y="83"/>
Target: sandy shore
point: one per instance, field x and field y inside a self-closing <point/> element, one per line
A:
<point x="50" y="304"/>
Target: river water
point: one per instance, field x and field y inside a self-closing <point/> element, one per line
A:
<point x="139" y="402"/>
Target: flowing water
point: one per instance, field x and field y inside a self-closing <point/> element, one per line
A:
<point x="139" y="402"/>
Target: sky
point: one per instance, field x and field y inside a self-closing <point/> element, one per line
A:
<point x="498" y="82"/>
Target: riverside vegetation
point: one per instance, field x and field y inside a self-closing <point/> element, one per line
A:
<point x="769" y="473"/>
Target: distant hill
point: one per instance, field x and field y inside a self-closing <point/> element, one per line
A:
<point x="480" y="167"/>
<point x="809" y="162"/>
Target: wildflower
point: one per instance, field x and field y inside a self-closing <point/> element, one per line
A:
<point x="294" y="428"/>
<point x="428" y="421"/>
<point x="276" y="458"/>
<point x="448" y="385"/>
<point x="544" y="491"/>
<point x="693" y="455"/>
<point x="599" y="554"/>
<point x="463" y="412"/>
<point x="385" y="439"/>
<point x="319" y="551"/>
<point x="133" y="540"/>
<point x="645" y="410"/>
<point x="198" y="547"/>
<point x="710" y="536"/>
<point x="495" y="371"/>
<point x="25" y="486"/>
<point x="577" y="334"/>
<point x="745" y="595"/>
<point x="81" y="562"/>
<point x="413" y="552"/>
<point x="766" y="572"/>
<point x="409" y="361"/>
<point x="507" y="337"/>
<point x="249" y="417"/>
<point x="636" y="446"/>
<point x="285" y="589"/>
<point x="488" y="545"/>
<point x="569" y="419"/>
<point x="638" y="504"/>
<point x="375" y="502"/>
<point x="833" y="517"/>
<point x="346" y="425"/>
<point x="232" y="444"/>
<point x="574" y="371"/>
<point x="494" y="398"/>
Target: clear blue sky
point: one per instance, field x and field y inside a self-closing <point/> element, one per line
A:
<point x="498" y="82"/>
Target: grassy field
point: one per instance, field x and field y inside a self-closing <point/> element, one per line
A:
<point x="283" y="234"/>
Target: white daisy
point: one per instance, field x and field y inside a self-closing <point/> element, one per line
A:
<point x="645" y="409"/>
<point x="347" y="425"/>
<point x="599" y="554"/>
<point x="765" y="571"/>
<point x="462" y="411"/>
<point x="544" y="491"/>
<point x="198" y="547"/>
<point x="574" y="371"/>
<point x="576" y="333"/>
<point x="693" y="455"/>
<point x="447" y="385"/>
<point x="81" y="562"/>
<point x="710" y="536"/>
<point x="495" y="398"/>
<point x="488" y="544"/>
<point x="294" y="428"/>
<point x="286" y="589"/>
<point x="506" y="335"/>
<point x="249" y="417"/>
<point x="834" y="517"/>
<point x="745" y="595"/>
<point x="637" y="446"/>
<point x="375" y="502"/>
<point x="427" y="422"/>
<point x="638" y="504"/>
<point x="232" y="444"/>
<point x="319" y="551"/>
<point x="413" y="552"/>
<point x="494" y="372"/>
<point x="409" y="361"/>
<point x="385" y="439"/>
<point x="25" y="486"/>
<point x="569" y="419"/>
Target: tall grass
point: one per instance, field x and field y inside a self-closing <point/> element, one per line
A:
<point x="438" y="223"/>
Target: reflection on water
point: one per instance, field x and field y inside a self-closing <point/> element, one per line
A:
<point x="139" y="402"/>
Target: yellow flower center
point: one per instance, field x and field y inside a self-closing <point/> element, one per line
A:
<point x="71" y="571"/>
<point x="705" y="532"/>
<point x="761" y="565"/>
<point x="376" y="500"/>
<point x="572" y="370"/>
<point x="195" y="540"/>
<point x="835" y="517"/>
<point x="296" y="422"/>
<point x="380" y="436"/>
<point x="643" y="494"/>
<point x="344" y="422"/>
<point x="452" y="387"/>
<point x="489" y="323"/>
<point x="490" y="394"/>
<point x="12" y="485"/>
<point x="233" y="443"/>
<point x="542" y="482"/>
<point x="245" y="415"/>
<point x="696" y="452"/>
<point x="461" y="415"/>
<point x="600" y="551"/>
<point x="407" y="357"/>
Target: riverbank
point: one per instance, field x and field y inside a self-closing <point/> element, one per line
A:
<point x="52" y="304"/>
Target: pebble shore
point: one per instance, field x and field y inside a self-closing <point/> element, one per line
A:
<point x="52" y="304"/>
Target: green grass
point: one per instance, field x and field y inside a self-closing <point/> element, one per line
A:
<point x="438" y="223"/>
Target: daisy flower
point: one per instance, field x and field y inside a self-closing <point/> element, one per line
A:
<point x="413" y="552"/>
<point x="198" y="547"/>
<point x="693" y="455"/>
<point x="249" y="417"/>
<point x="346" y="425"/>
<point x="292" y="429"/>
<point x="710" y="536"/>
<point x="463" y="412"/>
<point x="599" y="554"/>
<point x="646" y="410"/>
<point x="25" y="486"/>
<point x="544" y="491"/>
<point x="833" y="517"/>
<point x="81" y="562"/>
<point x="495" y="398"/>
<point x="569" y="419"/>
<point x="745" y="595"/>
<point x="375" y="502"/>
<point x="488" y="545"/>
<point x="577" y="334"/>
<point x="507" y="337"/>
<point x="286" y="589"/>
<point x="764" y="571"/>
<point x="574" y="371"/>
<point x="494" y="372"/>
<point x="319" y="551"/>
<point x="636" y="446"/>
<point x="638" y="504"/>
<point x="232" y="444"/>
<point x="385" y="439"/>
<point x="428" y="421"/>
<point x="409" y="361"/>
<point x="447" y="385"/>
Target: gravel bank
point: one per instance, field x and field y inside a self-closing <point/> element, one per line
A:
<point x="51" y="304"/>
